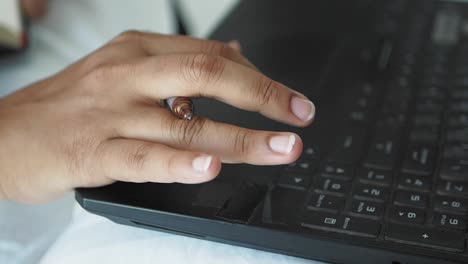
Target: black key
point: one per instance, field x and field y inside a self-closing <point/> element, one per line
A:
<point x="407" y="215"/>
<point x="365" y="191"/>
<point x="431" y="92"/>
<point x="459" y="106"/>
<point x="310" y="152"/>
<point x="303" y="166"/>
<point x="349" y="145"/>
<point x="413" y="182"/>
<point x="454" y="170"/>
<point x="336" y="186"/>
<point x="419" y="159"/>
<point x="457" y="135"/>
<point x="366" y="208"/>
<point x="428" y="135"/>
<point x="394" y="106"/>
<point x="391" y="120"/>
<point x="429" y="106"/>
<point x="451" y="221"/>
<point x="412" y="199"/>
<point x="456" y="151"/>
<point x="450" y="204"/>
<point x="336" y="170"/>
<point x="359" y="116"/>
<point x="375" y="176"/>
<point x="382" y="151"/>
<point x="326" y="202"/>
<point x="341" y="224"/>
<point x="426" y="120"/>
<point x="294" y="180"/>
<point x="453" y="188"/>
<point x="460" y="93"/>
<point x="426" y="237"/>
<point x="458" y="120"/>
<point x="242" y="203"/>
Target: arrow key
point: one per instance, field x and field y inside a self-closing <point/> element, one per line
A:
<point x="294" y="181"/>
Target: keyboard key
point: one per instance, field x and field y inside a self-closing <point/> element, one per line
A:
<point x="366" y="208"/>
<point x="453" y="188"/>
<point x="341" y="224"/>
<point x="336" y="170"/>
<point x="428" y="135"/>
<point x="359" y="116"/>
<point x="450" y="204"/>
<point x="304" y="166"/>
<point x="419" y="159"/>
<point x="310" y="152"/>
<point x="426" y="120"/>
<point x="431" y="92"/>
<point x="456" y="151"/>
<point x="459" y="106"/>
<point x="457" y="135"/>
<point x="382" y="151"/>
<point x="426" y="237"/>
<point x="460" y="93"/>
<point x="451" y="221"/>
<point x="375" y="176"/>
<point x="336" y="186"/>
<point x="454" y="170"/>
<point x="412" y="199"/>
<point x="319" y="201"/>
<point x="429" y="106"/>
<point x="365" y="191"/>
<point x="458" y="120"/>
<point x="407" y="215"/>
<point x="349" y="145"/>
<point x="294" y="180"/>
<point x="413" y="182"/>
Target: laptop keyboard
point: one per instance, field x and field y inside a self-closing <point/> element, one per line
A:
<point x="399" y="171"/>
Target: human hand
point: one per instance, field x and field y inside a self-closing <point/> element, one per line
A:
<point x="103" y="119"/>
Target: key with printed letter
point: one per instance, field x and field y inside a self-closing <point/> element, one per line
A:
<point x="341" y="224"/>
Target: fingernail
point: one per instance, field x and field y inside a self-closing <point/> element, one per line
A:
<point x="302" y="108"/>
<point x="235" y="44"/>
<point x="201" y="163"/>
<point x="282" y="144"/>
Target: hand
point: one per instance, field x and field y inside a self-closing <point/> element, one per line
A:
<point x="102" y="119"/>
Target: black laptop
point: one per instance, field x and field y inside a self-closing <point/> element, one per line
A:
<point x="384" y="173"/>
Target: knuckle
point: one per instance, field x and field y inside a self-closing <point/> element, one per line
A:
<point x="128" y="35"/>
<point x="242" y="142"/>
<point x="171" y="169"/>
<point x="202" y="68"/>
<point x="265" y="91"/>
<point x="137" y="158"/>
<point x="185" y="133"/>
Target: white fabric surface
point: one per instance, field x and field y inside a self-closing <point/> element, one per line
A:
<point x="72" y="29"/>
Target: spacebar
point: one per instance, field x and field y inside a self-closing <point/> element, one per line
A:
<point x="426" y="237"/>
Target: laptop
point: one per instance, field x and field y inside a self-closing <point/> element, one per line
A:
<point x="383" y="177"/>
